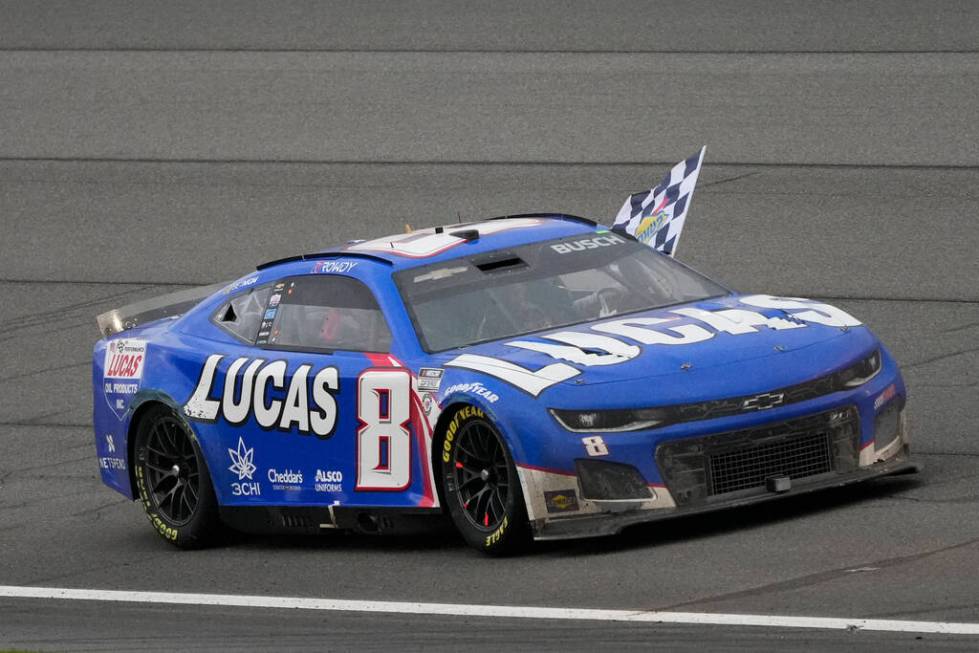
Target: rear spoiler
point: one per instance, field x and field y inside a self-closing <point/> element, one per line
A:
<point x="150" y="310"/>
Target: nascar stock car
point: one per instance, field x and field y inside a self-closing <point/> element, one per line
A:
<point x="534" y="376"/>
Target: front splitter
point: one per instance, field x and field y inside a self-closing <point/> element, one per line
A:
<point x="610" y="524"/>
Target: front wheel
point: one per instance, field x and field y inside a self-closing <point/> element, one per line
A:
<point x="173" y="482"/>
<point x="480" y="485"/>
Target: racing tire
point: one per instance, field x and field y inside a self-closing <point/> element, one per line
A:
<point x="480" y="485"/>
<point x="172" y="481"/>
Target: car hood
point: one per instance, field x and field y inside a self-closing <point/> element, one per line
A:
<point x="720" y="364"/>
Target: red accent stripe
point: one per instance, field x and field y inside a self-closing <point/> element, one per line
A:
<point x="421" y="434"/>
<point x="547" y="470"/>
<point x="378" y="360"/>
<point x="418" y="423"/>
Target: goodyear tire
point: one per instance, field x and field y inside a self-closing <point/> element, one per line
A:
<point x="480" y="484"/>
<point x="172" y="481"/>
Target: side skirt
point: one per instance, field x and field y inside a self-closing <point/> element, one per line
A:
<point x="313" y="520"/>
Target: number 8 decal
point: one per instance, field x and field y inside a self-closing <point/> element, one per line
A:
<point x="383" y="440"/>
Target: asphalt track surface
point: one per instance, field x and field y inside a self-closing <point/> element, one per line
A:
<point x="145" y="147"/>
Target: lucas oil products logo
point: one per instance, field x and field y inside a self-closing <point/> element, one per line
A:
<point x="122" y="371"/>
<point x="124" y="359"/>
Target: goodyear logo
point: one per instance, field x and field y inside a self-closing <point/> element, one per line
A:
<point x="450" y="433"/>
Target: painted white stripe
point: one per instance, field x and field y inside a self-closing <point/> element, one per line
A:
<point x="497" y="611"/>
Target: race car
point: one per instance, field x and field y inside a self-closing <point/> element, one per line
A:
<point x="535" y="376"/>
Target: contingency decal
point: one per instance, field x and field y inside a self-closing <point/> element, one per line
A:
<point x="889" y="393"/>
<point x="266" y="334"/>
<point x="244" y="282"/>
<point x="243" y="466"/>
<point x="561" y="500"/>
<point x="115" y="460"/>
<point x="333" y="266"/>
<point x="309" y="405"/>
<point x="430" y="378"/>
<point x="586" y="349"/>
<point x="431" y="242"/>
<point x="122" y="372"/>
<point x="473" y="388"/>
<point x="608" y="240"/>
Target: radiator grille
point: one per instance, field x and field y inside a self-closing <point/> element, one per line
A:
<point x="797" y="457"/>
<point x="698" y="469"/>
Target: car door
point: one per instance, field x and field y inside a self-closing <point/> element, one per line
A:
<point x="320" y="410"/>
<point x="314" y="409"/>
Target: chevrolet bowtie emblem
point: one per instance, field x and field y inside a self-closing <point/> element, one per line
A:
<point x="761" y="402"/>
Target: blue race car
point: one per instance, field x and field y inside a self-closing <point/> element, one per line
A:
<point x="530" y="376"/>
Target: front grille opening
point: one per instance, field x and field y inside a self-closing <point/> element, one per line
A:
<point x="601" y="480"/>
<point x="886" y="425"/>
<point x="699" y="469"/>
<point x="799" y="457"/>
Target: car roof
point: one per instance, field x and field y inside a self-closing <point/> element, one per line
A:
<point x="435" y="244"/>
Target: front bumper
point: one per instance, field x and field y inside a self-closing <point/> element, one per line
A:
<point x="602" y="524"/>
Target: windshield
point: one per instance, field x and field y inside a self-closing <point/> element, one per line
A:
<point x="541" y="286"/>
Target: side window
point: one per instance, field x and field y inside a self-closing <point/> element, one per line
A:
<point x="243" y="314"/>
<point x="325" y="313"/>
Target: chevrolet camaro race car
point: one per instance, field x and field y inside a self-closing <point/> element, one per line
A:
<point x="530" y="376"/>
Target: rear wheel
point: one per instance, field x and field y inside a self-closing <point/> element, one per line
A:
<point x="172" y="481"/>
<point x="480" y="485"/>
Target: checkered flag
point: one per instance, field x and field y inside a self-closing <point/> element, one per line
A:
<point x="656" y="216"/>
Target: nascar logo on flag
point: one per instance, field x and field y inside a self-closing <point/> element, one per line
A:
<point x="655" y="217"/>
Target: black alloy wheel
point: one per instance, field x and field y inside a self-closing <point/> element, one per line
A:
<point x="482" y="476"/>
<point x="172" y="480"/>
<point x="480" y="486"/>
<point x="172" y="471"/>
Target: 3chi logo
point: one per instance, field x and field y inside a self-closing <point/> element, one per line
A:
<point x="243" y="464"/>
<point x="763" y="401"/>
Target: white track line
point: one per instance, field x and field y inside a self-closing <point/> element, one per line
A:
<point x="497" y="611"/>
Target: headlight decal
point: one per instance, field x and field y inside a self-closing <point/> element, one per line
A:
<point x="609" y="421"/>
<point x="860" y="373"/>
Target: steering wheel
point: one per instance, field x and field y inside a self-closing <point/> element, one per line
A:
<point x="609" y="301"/>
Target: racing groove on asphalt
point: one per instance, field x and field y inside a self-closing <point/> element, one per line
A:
<point x="114" y="222"/>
